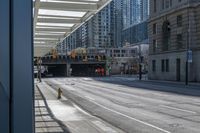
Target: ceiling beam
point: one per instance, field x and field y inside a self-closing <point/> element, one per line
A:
<point x="48" y="36"/>
<point x="36" y="10"/>
<point x="50" y="20"/>
<point x="53" y="30"/>
<point x="68" y="6"/>
<point x="60" y="16"/>
<point x="82" y="1"/>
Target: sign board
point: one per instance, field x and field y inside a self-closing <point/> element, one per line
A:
<point x="189" y="56"/>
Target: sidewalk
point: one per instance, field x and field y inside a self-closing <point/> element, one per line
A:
<point x="145" y="79"/>
<point x="44" y="119"/>
<point x="63" y="116"/>
<point x="190" y="84"/>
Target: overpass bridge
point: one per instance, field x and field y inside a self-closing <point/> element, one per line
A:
<point x="67" y="66"/>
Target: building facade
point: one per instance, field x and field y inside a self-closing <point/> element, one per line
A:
<point x="135" y="16"/>
<point x="118" y="23"/>
<point x="174" y="29"/>
<point x="103" y="30"/>
<point x="134" y="12"/>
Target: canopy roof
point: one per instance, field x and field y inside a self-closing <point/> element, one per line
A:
<point x="56" y="19"/>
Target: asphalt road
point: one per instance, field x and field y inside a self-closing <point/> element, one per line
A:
<point x="133" y="106"/>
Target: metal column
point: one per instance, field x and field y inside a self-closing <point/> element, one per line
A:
<point x="16" y="69"/>
<point x="22" y="66"/>
<point x="4" y="65"/>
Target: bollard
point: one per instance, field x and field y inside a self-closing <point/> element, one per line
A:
<point x="59" y="93"/>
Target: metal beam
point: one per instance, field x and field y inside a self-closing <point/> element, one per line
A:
<point x="36" y="10"/>
<point x="68" y="6"/>
<point x="53" y="30"/>
<point x="46" y="39"/>
<point x="51" y="20"/>
<point x="49" y="36"/>
<point x="77" y="1"/>
<point x="56" y="16"/>
<point x="22" y="75"/>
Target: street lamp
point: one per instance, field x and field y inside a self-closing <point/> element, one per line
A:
<point x="188" y="51"/>
<point x="140" y="63"/>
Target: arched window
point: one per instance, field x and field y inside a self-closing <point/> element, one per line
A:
<point x="166" y="33"/>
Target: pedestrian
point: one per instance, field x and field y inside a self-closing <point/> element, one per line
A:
<point x="98" y="71"/>
<point x="102" y="71"/>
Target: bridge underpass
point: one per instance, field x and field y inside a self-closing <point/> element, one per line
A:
<point x="86" y="69"/>
<point x="74" y="69"/>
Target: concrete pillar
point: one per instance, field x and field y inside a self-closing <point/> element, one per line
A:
<point x="68" y="71"/>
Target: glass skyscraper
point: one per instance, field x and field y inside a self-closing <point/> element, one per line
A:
<point x="134" y="12"/>
<point x="135" y="16"/>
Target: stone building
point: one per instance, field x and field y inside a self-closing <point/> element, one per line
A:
<point x="174" y="29"/>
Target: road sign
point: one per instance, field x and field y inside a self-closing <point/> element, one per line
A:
<point x="189" y="56"/>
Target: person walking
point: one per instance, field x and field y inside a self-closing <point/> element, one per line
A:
<point x="102" y="71"/>
<point x="98" y="71"/>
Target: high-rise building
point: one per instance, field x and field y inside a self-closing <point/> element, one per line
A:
<point x="134" y="12"/>
<point x="117" y="22"/>
<point x="135" y="16"/>
<point x="105" y="29"/>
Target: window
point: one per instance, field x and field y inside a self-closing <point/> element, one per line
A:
<point x="166" y="34"/>
<point x="153" y="65"/>
<point x="167" y="4"/>
<point x="154" y="28"/>
<point x="170" y="3"/>
<point x="154" y="46"/>
<point x="179" y="20"/>
<point x="163" y="65"/>
<point x="167" y="65"/>
<point x="163" y="4"/>
<point x="179" y="40"/>
<point x="155" y="7"/>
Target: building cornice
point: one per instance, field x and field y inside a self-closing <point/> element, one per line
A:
<point x="172" y="10"/>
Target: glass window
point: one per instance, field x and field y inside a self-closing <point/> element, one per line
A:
<point x="179" y="20"/>
<point x="155" y="7"/>
<point x="163" y="65"/>
<point x="154" y="28"/>
<point x="179" y="39"/>
<point x="167" y="65"/>
<point x="154" y="46"/>
<point x="153" y="65"/>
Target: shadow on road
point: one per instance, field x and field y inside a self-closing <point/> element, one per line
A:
<point x="161" y="86"/>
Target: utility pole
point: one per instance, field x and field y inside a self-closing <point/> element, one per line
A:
<point x="140" y="63"/>
<point x="188" y="44"/>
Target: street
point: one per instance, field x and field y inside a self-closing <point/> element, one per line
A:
<point x="135" y="106"/>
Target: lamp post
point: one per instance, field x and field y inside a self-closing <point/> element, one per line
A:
<point x="140" y="63"/>
<point x="188" y="51"/>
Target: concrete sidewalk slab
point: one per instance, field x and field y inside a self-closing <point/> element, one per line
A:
<point x="45" y="122"/>
<point x="71" y="116"/>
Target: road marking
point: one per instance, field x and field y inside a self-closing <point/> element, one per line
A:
<point x="132" y="118"/>
<point x="91" y="99"/>
<point x="137" y="120"/>
<point x="81" y="110"/>
<point x="103" y="127"/>
<point x="183" y="110"/>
